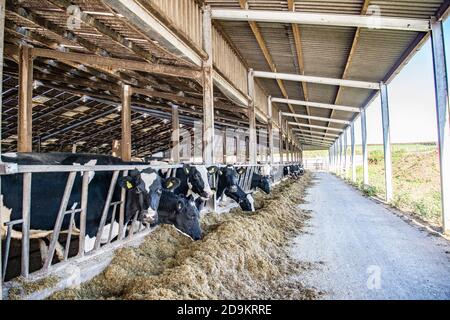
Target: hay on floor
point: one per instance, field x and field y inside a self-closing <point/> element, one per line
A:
<point x="242" y="256"/>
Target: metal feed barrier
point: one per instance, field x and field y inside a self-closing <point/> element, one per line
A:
<point x="126" y="231"/>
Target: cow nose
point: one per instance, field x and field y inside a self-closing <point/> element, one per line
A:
<point x="148" y="216"/>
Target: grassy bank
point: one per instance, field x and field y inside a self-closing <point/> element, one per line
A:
<point x="415" y="173"/>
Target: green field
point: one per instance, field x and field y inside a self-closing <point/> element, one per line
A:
<point x="415" y="173"/>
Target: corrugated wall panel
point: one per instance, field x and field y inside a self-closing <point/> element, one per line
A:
<point x="186" y="15"/>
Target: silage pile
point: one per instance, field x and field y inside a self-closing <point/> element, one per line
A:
<point x="241" y="256"/>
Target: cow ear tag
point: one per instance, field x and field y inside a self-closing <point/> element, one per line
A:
<point x="129" y="185"/>
<point x="169" y="184"/>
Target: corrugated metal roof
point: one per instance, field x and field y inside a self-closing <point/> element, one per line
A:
<point x="326" y="49"/>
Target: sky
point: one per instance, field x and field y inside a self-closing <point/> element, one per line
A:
<point x="412" y="106"/>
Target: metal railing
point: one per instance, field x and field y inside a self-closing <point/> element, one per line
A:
<point x="126" y="230"/>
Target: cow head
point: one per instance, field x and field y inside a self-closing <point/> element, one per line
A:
<point x="144" y="191"/>
<point x="198" y="179"/>
<point x="186" y="217"/>
<point x="264" y="183"/>
<point x="228" y="183"/>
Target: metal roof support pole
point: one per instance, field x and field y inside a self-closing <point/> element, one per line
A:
<point x="336" y="145"/>
<point x="364" y="148"/>
<point x="341" y="159"/>
<point x="329" y="159"/>
<point x="125" y="144"/>
<point x="353" y="160"/>
<point x="332" y="158"/>
<point x="337" y="157"/>
<point x="208" y="95"/>
<point x="386" y="141"/>
<point x="175" y="151"/>
<point x="24" y="121"/>
<point x="2" y="34"/>
<point x="253" y="150"/>
<point x="345" y="155"/>
<point x="443" y="118"/>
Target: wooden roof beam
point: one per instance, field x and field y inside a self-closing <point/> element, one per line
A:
<point x="107" y="31"/>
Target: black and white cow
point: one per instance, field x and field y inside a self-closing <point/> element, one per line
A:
<point x="228" y="185"/>
<point x="194" y="180"/>
<point x="262" y="180"/>
<point x="293" y="170"/>
<point x="144" y="190"/>
<point x="297" y="170"/>
<point x="286" y="171"/>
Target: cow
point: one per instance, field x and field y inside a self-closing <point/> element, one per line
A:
<point x="194" y="180"/>
<point x="296" y="170"/>
<point x="228" y="185"/>
<point x="262" y="180"/>
<point x="143" y="193"/>
<point x="286" y="171"/>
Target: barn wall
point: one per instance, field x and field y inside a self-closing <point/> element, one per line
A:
<point x="185" y="15"/>
<point x="261" y="99"/>
<point x="228" y="63"/>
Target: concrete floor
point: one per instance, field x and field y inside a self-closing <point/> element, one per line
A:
<point x="361" y="250"/>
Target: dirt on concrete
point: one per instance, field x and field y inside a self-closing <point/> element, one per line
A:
<point x="241" y="256"/>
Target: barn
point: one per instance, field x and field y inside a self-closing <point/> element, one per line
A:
<point x="110" y="106"/>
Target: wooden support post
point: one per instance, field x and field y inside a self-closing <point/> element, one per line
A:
<point x="252" y="118"/>
<point x="286" y="127"/>
<point x="353" y="160"/>
<point x="238" y="145"/>
<point x="280" y="123"/>
<point x="364" y="148"/>
<point x="2" y="34"/>
<point x="225" y="146"/>
<point x="208" y="85"/>
<point x="175" y="152"/>
<point x="443" y="117"/>
<point x="386" y="141"/>
<point x="24" y="121"/>
<point x="126" y="123"/>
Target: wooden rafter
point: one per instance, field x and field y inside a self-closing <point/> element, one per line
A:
<point x="107" y="31"/>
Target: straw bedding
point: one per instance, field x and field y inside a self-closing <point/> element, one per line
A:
<point x="242" y="256"/>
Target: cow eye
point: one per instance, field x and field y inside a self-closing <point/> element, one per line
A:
<point x="159" y="191"/>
